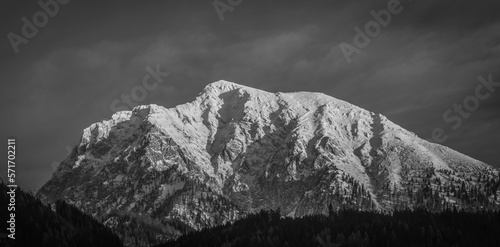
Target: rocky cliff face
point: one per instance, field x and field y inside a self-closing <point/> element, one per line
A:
<point x="236" y="149"/>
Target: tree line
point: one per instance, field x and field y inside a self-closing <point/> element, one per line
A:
<point x="39" y="225"/>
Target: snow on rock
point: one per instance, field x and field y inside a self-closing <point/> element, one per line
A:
<point x="236" y="149"/>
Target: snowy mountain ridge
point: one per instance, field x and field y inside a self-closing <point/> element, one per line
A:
<point x="236" y="149"/>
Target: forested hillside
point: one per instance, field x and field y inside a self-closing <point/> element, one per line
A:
<point x="37" y="225"/>
<point x="353" y="228"/>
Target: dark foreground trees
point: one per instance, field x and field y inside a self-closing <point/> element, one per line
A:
<point x="37" y="225"/>
<point x="354" y="228"/>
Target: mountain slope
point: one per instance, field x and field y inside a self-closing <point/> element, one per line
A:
<point x="236" y="149"/>
<point x="352" y="228"/>
<point x="38" y="225"/>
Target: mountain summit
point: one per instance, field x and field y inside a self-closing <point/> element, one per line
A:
<point x="236" y="149"/>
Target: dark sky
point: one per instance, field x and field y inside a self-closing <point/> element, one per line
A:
<point x="426" y="59"/>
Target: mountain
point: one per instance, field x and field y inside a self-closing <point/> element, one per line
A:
<point x="236" y="150"/>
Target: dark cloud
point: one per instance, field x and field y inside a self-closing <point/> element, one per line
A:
<point x="427" y="59"/>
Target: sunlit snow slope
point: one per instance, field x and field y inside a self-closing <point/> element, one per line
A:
<point x="236" y="149"/>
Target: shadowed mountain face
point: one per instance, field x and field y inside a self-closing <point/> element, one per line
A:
<point x="236" y="149"/>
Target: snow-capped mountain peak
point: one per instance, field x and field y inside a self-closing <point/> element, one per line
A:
<point x="236" y="149"/>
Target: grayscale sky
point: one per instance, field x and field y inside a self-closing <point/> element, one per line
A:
<point x="426" y="59"/>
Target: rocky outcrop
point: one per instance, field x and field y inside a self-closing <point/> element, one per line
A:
<point x="236" y="149"/>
